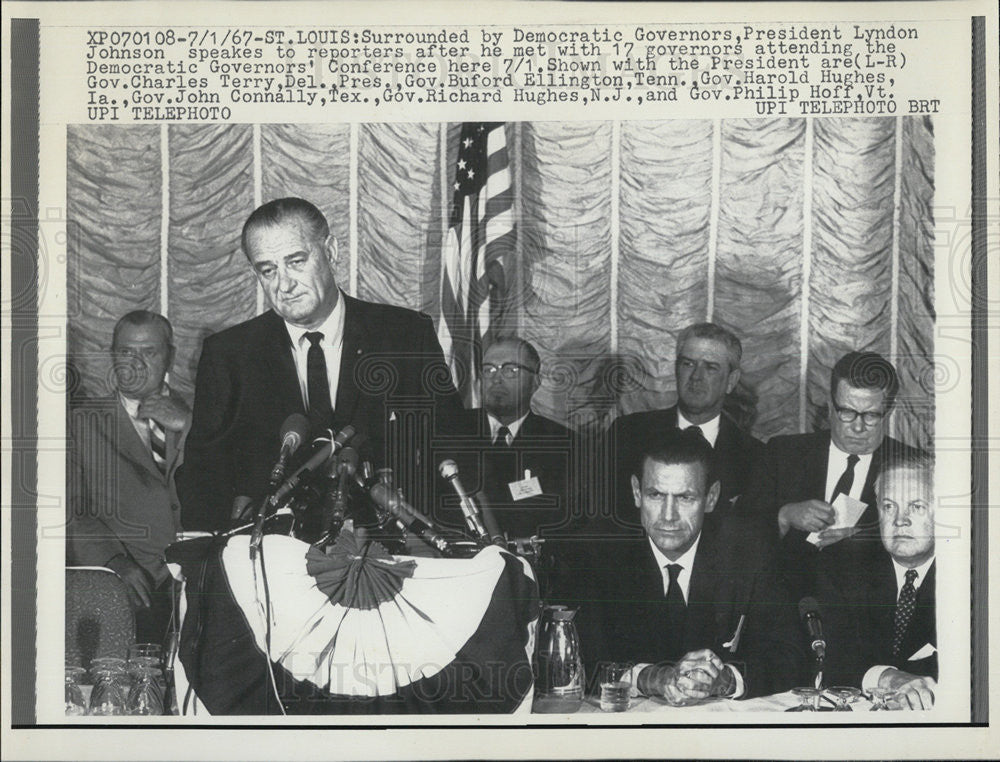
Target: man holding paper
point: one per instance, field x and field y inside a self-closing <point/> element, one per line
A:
<point x="819" y="489"/>
<point x="880" y="616"/>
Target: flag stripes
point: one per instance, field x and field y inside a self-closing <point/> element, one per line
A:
<point x="476" y="251"/>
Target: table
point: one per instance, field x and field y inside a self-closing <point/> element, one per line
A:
<point x="648" y="705"/>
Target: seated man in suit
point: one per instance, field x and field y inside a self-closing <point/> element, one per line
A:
<point x="317" y="352"/>
<point x="879" y="611"/>
<point x="692" y="602"/>
<point x="802" y="476"/>
<point x="707" y="368"/>
<point x="520" y="462"/>
<point x="123" y="510"/>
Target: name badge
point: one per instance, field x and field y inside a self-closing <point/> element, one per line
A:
<point x="529" y="486"/>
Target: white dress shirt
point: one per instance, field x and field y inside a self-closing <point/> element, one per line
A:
<point x="333" y="346"/>
<point x="836" y="464"/>
<point x="686" y="562"/>
<point x="871" y="677"/>
<point x="709" y="429"/>
<point x="513" y="427"/>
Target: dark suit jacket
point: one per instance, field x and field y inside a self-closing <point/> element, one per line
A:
<point x="622" y="609"/>
<point x="794" y="469"/>
<point x="119" y="501"/>
<point x="393" y="382"/>
<point x="735" y="455"/>
<point x="858" y="605"/>
<point x="543" y="446"/>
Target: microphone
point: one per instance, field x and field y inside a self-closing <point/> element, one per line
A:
<point x="809" y="614"/>
<point x="412" y="519"/>
<point x="323" y="450"/>
<point x="347" y="465"/>
<point x="473" y="516"/>
<point x="293" y="431"/>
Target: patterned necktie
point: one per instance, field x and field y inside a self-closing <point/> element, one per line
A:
<point x="158" y="445"/>
<point x="502" y="441"/>
<point x="846" y="480"/>
<point x="904" y="611"/>
<point x="317" y="383"/>
<point x="676" y="612"/>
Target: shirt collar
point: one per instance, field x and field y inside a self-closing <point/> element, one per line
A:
<point x="132" y="405"/>
<point x="332" y="328"/>
<point x="709" y="429"/>
<point x="901" y="573"/>
<point x="841" y="457"/>
<point x="686" y="561"/>
<point x="513" y="427"/>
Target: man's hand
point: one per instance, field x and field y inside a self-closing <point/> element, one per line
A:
<point x="136" y="581"/>
<point x="696" y="677"/>
<point x="911" y="691"/>
<point x="170" y="413"/>
<point x="807" y="516"/>
<point x="830" y="536"/>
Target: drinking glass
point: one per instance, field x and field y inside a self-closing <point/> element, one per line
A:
<point x="145" y="654"/>
<point x="75" y="705"/>
<point x="146" y="696"/>
<point x="844" y="695"/>
<point x="808" y="700"/>
<point x="108" y="696"/>
<point x="880" y="698"/>
<point x="615" y="686"/>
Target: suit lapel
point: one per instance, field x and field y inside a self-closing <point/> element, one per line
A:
<point x="818" y="463"/>
<point x="282" y="364"/>
<point x="131" y="445"/>
<point x="706" y="604"/>
<point x="355" y="345"/>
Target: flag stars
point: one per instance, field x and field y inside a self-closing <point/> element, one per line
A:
<point x="471" y="174"/>
<point x="461" y="164"/>
<point x="467" y="142"/>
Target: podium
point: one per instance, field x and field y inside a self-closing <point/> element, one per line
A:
<point x="354" y="630"/>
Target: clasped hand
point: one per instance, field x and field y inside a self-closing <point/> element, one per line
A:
<point x="697" y="676"/>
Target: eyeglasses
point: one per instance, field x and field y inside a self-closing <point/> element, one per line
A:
<point x="868" y="418"/>
<point x="507" y="370"/>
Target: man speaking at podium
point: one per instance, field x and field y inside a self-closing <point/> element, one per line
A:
<point x="317" y="351"/>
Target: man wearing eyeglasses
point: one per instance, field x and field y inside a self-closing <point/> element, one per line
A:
<point x="520" y="460"/>
<point x="819" y="489"/>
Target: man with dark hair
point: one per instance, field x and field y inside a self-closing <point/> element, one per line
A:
<point x="123" y="510"/>
<point x="317" y="351"/>
<point x="520" y="462"/>
<point x="880" y="612"/>
<point x="692" y="602"/>
<point x="707" y="368"/>
<point x="804" y="478"/>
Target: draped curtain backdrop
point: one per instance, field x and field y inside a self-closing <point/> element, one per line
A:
<point x="807" y="238"/>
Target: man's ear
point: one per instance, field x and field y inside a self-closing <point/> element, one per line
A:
<point x="732" y="381"/>
<point x="636" y="491"/>
<point x="332" y="253"/>
<point x="713" y="496"/>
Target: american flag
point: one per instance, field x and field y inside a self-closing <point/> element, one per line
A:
<point x="480" y="237"/>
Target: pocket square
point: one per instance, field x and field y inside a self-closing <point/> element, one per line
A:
<point x="926" y="650"/>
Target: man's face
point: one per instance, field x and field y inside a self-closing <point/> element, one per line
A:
<point x="141" y="358"/>
<point x="673" y="500"/>
<point x="906" y="515"/>
<point x="508" y="398"/>
<point x="704" y="377"/>
<point x="857" y="437"/>
<point x="295" y="270"/>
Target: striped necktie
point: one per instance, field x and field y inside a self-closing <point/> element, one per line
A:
<point x="158" y="445"/>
